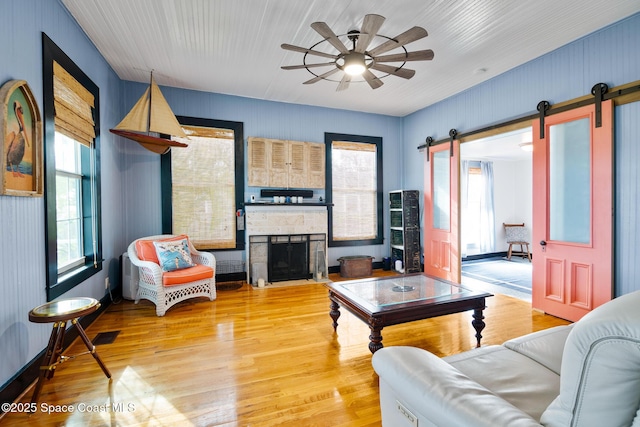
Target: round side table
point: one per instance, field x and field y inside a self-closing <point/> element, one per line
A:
<point x="60" y="312"/>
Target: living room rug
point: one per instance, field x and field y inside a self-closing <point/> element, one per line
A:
<point x="514" y="274"/>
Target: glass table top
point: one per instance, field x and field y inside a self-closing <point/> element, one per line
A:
<point x="380" y="293"/>
<point x="63" y="307"/>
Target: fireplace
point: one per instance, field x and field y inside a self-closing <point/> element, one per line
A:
<point x="286" y="225"/>
<point x="281" y="257"/>
<point x="288" y="257"/>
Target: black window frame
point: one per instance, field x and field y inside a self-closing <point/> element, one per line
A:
<point x="329" y="137"/>
<point x="59" y="284"/>
<point x="165" y="172"/>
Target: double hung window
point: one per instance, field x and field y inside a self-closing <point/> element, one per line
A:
<point x="203" y="184"/>
<point x="354" y="189"/>
<point x="72" y="173"/>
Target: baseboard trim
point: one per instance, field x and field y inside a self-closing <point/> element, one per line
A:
<point x="23" y="379"/>
<point x="231" y="277"/>
<point x="484" y="256"/>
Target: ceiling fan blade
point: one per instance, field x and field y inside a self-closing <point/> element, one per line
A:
<point x="419" y="55"/>
<point x="321" y="76"/>
<point x="373" y="81"/>
<point x="293" y="48"/>
<point x="323" y="29"/>
<point x="299" y="67"/>
<point x="409" y="36"/>
<point x="370" y="27"/>
<point x="405" y="73"/>
<point x="344" y="83"/>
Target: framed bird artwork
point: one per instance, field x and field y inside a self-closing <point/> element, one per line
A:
<point x="21" y="128"/>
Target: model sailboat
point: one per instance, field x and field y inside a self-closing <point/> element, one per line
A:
<point x="150" y="120"/>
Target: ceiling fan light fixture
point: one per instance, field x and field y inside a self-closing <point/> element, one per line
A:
<point x="354" y="64"/>
<point x="359" y="62"/>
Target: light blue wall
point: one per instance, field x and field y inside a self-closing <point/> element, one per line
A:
<point x="261" y="119"/>
<point x="22" y="252"/>
<point x="610" y="56"/>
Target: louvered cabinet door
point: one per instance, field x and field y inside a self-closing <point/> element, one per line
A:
<point x="315" y="166"/>
<point x="278" y="163"/>
<point x="298" y="154"/>
<point x="258" y="162"/>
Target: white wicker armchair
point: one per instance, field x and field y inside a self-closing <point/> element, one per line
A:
<point x="151" y="285"/>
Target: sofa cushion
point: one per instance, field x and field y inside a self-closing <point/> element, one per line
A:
<point x="600" y="382"/>
<point x="514" y="377"/>
<point x="545" y="347"/>
<point x="185" y="275"/>
<point x="146" y="251"/>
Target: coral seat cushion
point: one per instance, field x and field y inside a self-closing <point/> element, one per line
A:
<point x="146" y="250"/>
<point x="185" y="275"/>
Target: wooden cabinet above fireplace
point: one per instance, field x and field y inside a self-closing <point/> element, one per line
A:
<point x="278" y="163"/>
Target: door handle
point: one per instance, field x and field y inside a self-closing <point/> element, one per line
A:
<point x="544" y="245"/>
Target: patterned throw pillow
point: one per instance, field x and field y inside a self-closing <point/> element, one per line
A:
<point x="516" y="234"/>
<point x="174" y="255"/>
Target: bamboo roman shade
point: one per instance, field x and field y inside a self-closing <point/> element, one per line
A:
<point x="203" y="188"/>
<point x="73" y="106"/>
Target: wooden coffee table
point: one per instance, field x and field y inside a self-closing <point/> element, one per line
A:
<point x="386" y="301"/>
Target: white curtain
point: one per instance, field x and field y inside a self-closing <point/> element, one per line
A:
<point x="487" y="215"/>
<point x="478" y="219"/>
<point x="464" y="204"/>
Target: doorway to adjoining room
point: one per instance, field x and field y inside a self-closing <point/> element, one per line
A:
<point x="496" y="188"/>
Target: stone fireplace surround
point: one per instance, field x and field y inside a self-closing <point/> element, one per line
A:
<point x="267" y="219"/>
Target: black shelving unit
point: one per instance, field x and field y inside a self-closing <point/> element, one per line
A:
<point x="404" y="212"/>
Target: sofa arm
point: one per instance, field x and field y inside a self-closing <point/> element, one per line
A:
<point x="438" y="393"/>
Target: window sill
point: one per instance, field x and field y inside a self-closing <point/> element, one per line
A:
<point x="71" y="279"/>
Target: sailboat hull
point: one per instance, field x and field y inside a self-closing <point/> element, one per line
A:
<point x="150" y="142"/>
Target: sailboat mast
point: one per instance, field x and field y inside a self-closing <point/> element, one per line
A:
<point x="150" y="104"/>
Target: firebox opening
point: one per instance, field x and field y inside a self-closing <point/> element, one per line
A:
<point x="288" y="257"/>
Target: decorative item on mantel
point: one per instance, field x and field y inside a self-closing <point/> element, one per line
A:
<point x="286" y="196"/>
<point x="151" y="115"/>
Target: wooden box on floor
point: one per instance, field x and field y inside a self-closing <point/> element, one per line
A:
<point x="355" y="266"/>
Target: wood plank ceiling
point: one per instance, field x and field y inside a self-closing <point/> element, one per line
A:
<point x="233" y="47"/>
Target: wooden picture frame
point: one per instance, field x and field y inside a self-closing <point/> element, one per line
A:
<point x="21" y="127"/>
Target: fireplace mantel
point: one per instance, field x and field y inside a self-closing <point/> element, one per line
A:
<point x="286" y="205"/>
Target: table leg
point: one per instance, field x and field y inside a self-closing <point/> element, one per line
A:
<point x="375" y="339"/>
<point x="478" y="324"/>
<point x="334" y="313"/>
<point x="91" y="347"/>
<point x="51" y="357"/>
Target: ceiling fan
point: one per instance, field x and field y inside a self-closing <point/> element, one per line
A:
<point x="358" y="61"/>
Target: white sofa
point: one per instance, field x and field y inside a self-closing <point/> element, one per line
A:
<point x="582" y="375"/>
